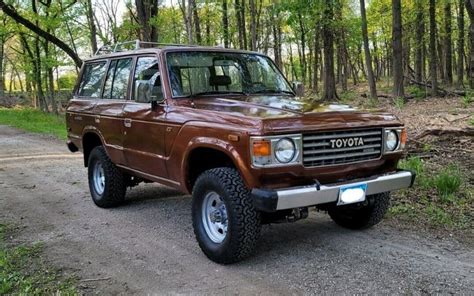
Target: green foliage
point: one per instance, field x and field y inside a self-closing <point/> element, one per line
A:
<point x="445" y="200"/>
<point x="67" y="81"/>
<point x="417" y="92"/>
<point x="438" y="215"/>
<point x="399" y="103"/>
<point x="467" y="100"/>
<point x="416" y="165"/>
<point x="23" y="272"/>
<point x="448" y="182"/>
<point x="347" y="96"/>
<point x="426" y="147"/>
<point x="34" y="121"/>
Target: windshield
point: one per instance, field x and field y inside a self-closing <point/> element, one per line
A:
<point x="207" y="73"/>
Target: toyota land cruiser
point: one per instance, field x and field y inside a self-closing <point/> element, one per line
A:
<point x="226" y="126"/>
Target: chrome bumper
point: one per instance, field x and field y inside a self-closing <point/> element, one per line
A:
<point x="297" y="197"/>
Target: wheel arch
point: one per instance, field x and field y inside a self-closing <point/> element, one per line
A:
<point x="90" y="140"/>
<point x="203" y="154"/>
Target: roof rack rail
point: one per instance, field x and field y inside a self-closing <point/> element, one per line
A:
<point x="133" y="45"/>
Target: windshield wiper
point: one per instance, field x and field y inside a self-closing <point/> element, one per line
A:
<point x="273" y="91"/>
<point x="216" y="92"/>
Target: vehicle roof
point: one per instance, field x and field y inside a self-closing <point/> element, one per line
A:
<point x="166" y="49"/>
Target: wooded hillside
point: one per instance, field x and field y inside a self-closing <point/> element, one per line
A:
<point x="326" y="44"/>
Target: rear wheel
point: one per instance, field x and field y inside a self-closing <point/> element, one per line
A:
<point x="107" y="183"/>
<point x="225" y="222"/>
<point x="361" y="216"/>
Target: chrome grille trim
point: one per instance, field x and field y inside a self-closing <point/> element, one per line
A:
<point x="317" y="149"/>
<point x="343" y="135"/>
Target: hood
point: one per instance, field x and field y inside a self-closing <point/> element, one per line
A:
<point x="280" y="113"/>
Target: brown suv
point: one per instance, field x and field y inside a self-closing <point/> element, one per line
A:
<point x="226" y="126"/>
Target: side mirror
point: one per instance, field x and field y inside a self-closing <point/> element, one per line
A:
<point x="143" y="91"/>
<point x="147" y="93"/>
<point x="298" y="88"/>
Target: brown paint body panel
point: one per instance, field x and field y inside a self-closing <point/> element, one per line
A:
<point x="155" y="144"/>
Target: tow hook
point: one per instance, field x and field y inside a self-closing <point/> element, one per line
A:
<point x="297" y="214"/>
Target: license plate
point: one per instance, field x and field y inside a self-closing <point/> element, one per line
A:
<point x="350" y="194"/>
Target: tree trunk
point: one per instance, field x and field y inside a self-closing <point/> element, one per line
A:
<point x="187" y="12"/>
<point x="253" y="26"/>
<point x="240" y="26"/>
<point x="294" y="74"/>
<point x="329" y="92"/>
<point x="378" y="66"/>
<point x="470" y="12"/>
<point x="244" y="26"/>
<point x="433" y="62"/>
<point x="303" y="48"/>
<point x="225" y="23"/>
<point x="460" y="49"/>
<point x="277" y="40"/>
<point x="316" y="60"/>
<point x="448" y="44"/>
<point x="91" y="24"/>
<point x="146" y="11"/>
<point x="368" y="58"/>
<point x="420" y="29"/>
<point x="38" y="79"/>
<point x="208" y="29"/>
<point x="197" y="22"/>
<point x="441" y="58"/>
<point x="398" y="90"/>
<point x="2" y="74"/>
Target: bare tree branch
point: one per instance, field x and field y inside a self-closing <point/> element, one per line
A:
<point x="11" y="12"/>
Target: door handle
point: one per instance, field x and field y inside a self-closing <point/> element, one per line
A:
<point x="127" y="122"/>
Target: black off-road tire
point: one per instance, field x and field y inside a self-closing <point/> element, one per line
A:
<point x="115" y="180"/>
<point x="243" y="228"/>
<point x="361" y="216"/>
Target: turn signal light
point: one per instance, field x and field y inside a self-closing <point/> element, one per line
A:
<point x="403" y="138"/>
<point x="261" y="148"/>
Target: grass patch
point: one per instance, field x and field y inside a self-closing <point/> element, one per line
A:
<point x="399" y="103"/>
<point x="347" y="97"/>
<point x="23" y="272"/>
<point x="371" y="103"/>
<point x="442" y="197"/>
<point x="35" y="121"/>
<point x="417" y="92"/>
<point x="467" y="99"/>
<point x="448" y="182"/>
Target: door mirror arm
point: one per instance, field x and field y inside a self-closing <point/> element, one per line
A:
<point x="298" y="88"/>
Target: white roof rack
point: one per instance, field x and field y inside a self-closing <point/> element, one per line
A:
<point x="133" y="45"/>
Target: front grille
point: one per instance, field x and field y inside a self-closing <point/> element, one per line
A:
<point x="341" y="147"/>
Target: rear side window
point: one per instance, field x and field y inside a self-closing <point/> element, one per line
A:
<point x="116" y="83"/>
<point x="91" y="81"/>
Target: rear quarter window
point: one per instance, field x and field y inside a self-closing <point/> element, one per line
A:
<point x="91" y="80"/>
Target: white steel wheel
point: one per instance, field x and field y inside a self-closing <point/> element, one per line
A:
<point x="98" y="177"/>
<point x="214" y="217"/>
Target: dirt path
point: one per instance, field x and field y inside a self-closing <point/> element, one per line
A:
<point x="148" y="246"/>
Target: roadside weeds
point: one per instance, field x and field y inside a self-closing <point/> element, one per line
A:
<point x="23" y="271"/>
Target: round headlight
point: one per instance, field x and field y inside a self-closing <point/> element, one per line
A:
<point x="285" y="150"/>
<point x="391" y="140"/>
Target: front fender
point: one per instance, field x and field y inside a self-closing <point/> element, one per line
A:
<point x="220" y="145"/>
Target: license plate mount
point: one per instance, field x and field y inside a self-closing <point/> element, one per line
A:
<point x="350" y="194"/>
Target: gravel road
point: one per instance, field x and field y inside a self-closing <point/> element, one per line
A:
<point x="148" y="246"/>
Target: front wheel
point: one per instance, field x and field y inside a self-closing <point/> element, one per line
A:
<point x="361" y="216"/>
<point x="225" y="222"/>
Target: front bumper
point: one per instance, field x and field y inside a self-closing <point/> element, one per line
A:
<point x="268" y="200"/>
